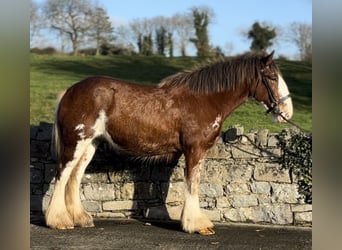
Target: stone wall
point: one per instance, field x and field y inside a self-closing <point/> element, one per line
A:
<point x="241" y="181"/>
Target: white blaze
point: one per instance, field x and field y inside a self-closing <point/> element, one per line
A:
<point x="286" y="107"/>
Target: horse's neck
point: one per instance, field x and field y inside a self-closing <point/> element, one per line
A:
<point x="225" y="103"/>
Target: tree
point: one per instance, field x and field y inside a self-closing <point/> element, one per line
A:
<point x="34" y="20"/>
<point x="261" y="36"/>
<point x="170" y="43"/>
<point x="301" y="35"/>
<point x="147" y="45"/>
<point x="70" y="17"/>
<point x="161" y="40"/>
<point x="100" y="30"/>
<point x="201" y="19"/>
<point x="184" y="30"/>
<point x="142" y="33"/>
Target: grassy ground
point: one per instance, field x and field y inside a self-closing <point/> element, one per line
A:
<point x="52" y="74"/>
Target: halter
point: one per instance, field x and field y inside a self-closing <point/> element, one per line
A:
<point x="274" y="102"/>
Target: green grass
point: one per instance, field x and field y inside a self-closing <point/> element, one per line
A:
<point x="53" y="74"/>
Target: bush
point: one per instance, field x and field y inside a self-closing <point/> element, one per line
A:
<point x="87" y="51"/>
<point x="297" y="156"/>
<point x="44" y="51"/>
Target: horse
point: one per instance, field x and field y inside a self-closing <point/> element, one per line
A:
<point x="183" y="114"/>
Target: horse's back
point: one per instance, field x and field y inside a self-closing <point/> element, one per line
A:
<point x="140" y="119"/>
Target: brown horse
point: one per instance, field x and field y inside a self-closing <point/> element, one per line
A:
<point x="182" y="115"/>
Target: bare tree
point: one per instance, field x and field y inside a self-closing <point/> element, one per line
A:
<point x="168" y="24"/>
<point x="34" y="20"/>
<point x="100" y="30"/>
<point x="301" y="35"/>
<point x="142" y="30"/>
<point x="184" y="30"/>
<point x="70" y="17"/>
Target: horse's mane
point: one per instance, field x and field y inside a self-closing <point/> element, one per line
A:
<point x="222" y="75"/>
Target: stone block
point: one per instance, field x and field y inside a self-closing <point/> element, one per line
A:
<point x="175" y="212"/>
<point x="33" y="131"/>
<point x="274" y="153"/>
<point x="94" y="178"/>
<point x="234" y="215"/>
<point x="245" y="151"/>
<point x="215" y="171"/>
<point x="244" y="200"/>
<point x="237" y="188"/>
<point x="177" y="174"/>
<point x="36" y="188"/>
<point x="36" y="202"/>
<point x="49" y="172"/>
<point x="274" y="214"/>
<point x="301" y="208"/>
<point x="213" y="215"/>
<point x="261" y="137"/>
<point x="99" y="191"/>
<point x="173" y="192"/>
<point x="248" y="138"/>
<point x="127" y="191"/>
<point x="39" y="149"/>
<point x="222" y="202"/>
<point x="264" y="199"/>
<point x="272" y="141"/>
<point x="240" y="173"/>
<point x="211" y="190"/>
<point x="260" y="187"/>
<point x="121" y="176"/>
<point x="92" y="206"/>
<point x="119" y="205"/>
<point x="218" y="151"/>
<point x="110" y="215"/>
<point x="303" y="218"/>
<point x="44" y="131"/>
<point x="271" y="172"/>
<point x="284" y="193"/>
<point x="36" y="175"/>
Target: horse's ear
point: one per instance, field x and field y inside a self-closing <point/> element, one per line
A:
<point x="268" y="58"/>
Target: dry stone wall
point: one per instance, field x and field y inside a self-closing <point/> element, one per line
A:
<point x="241" y="181"/>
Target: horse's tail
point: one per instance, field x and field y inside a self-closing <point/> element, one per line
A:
<point x="56" y="144"/>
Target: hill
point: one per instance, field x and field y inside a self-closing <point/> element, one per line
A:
<point x="51" y="74"/>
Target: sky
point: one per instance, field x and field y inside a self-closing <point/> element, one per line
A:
<point x="231" y="17"/>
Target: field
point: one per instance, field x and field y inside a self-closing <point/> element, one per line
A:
<point x="51" y="74"/>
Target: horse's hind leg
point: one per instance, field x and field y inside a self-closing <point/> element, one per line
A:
<point x="192" y="219"/>
<point x="72" y="195"/>
<point x="56" y="215"/>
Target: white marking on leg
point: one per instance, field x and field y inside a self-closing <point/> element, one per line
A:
<point x="82" y="156"/>
<point x="192" y="218"/>
<point x="73" y="201"/>
<point x="56" y="214"/>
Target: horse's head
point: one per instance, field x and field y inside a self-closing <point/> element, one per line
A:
<point x="272" y="90"/>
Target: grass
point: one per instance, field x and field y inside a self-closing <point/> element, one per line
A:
<point x="50" y="75"/>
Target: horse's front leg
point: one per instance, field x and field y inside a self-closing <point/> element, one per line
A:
<point x="193" y="220"/>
